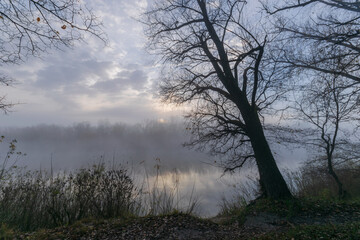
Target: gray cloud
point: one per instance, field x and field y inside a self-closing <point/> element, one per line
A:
<point x="89" y="82"/>
<point x="76" y="73"/>
<point x="70" y="73"/>
<point x="126" y="79"/>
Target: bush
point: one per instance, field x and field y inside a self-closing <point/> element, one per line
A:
<point x="31" y="200"/>
<point x="314" y="181"/>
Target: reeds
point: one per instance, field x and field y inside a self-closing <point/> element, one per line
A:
<point x="31" y="200"/>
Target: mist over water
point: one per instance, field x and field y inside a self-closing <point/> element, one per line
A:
<point x="144" y="149"/>
<point x="82" y="144"/>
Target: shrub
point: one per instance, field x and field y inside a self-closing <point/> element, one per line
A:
<point x="31" y="200"/>
<point x="314" y="181"/>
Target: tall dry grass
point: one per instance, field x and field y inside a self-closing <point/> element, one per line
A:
<point x="161" y="194"/>
<point x="34" y="199"/>
<point x="313" y="180"/>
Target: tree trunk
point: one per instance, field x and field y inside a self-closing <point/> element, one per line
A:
<point x="270" y="176"/>
<point x="341" y="191"/>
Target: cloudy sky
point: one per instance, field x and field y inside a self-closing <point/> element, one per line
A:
<point x="91" y="82"/>
<point x="99" y="85"/>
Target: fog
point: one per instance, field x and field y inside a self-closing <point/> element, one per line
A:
<point x="82" y="144"/>
<point x="139" y="148"/>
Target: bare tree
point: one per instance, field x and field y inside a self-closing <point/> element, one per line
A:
<point x="215" y="63"/>
<point x="31" y="27"/>
<point x="328" y="107"/>
<point x="4" y="105"/>
<point x="331" y="32"/>
<point x="322" y="55"/>
<point x="352" y="5"/>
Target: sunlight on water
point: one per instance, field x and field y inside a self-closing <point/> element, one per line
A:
<point x="152" y="152"/>
<point x="206" y="188"/>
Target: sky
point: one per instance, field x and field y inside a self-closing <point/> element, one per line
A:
<point x="91" y="82"/>
<point x="96" y="84"/>
<point x="110" y="93"/>
<point x="95" y="103"/>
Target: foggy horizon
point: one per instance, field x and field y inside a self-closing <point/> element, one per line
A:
<point x="91" y="103"/>
<point x="139" y="148"/>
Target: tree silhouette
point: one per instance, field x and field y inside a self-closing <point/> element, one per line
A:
<point x="321" y="51"/>
<point x="327" y="106"/>
<point x="32" y="27"/>
<point x="215" y="63"/>
<point x="328" y="30"/>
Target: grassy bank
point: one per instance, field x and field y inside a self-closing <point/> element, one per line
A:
<point x="176" y="225"/>
<point x="98" y="202"/>
<point x="31" y="200"/>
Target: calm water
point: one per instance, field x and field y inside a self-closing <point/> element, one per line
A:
<point x="149" y="151"/>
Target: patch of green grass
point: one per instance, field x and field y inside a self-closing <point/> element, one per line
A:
<point x="289" y="208"/>
<point x="232" y="211"/>
<point x="79" y="229"/>
<point x="349" y="231"/>
<point x="43" y="234"/>
<point x="5" y="232"/>
<point x="284" y="208"/>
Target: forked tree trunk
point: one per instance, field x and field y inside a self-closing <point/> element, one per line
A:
<point x="270" y="175"/>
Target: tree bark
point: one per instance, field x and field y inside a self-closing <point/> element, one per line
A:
<point x="341" y="191"/>
<point x="270" y="176"/>
<point x="206" y="36"/>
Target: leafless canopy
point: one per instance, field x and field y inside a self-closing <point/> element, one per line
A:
<point x="4" y="105"/>
<point x="331" y="32"/>
<point x="30" y="27"/>
<point x="324" y="54"/>
<point x="331" y="110"/>
<point x="212" y="59"/>
<point x="352" y="5"/>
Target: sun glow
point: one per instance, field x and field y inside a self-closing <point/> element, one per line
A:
<point x="161" y="120"/>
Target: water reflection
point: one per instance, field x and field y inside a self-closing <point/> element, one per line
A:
<point x="150" y="151"/>
<point x="206" y="189"/>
